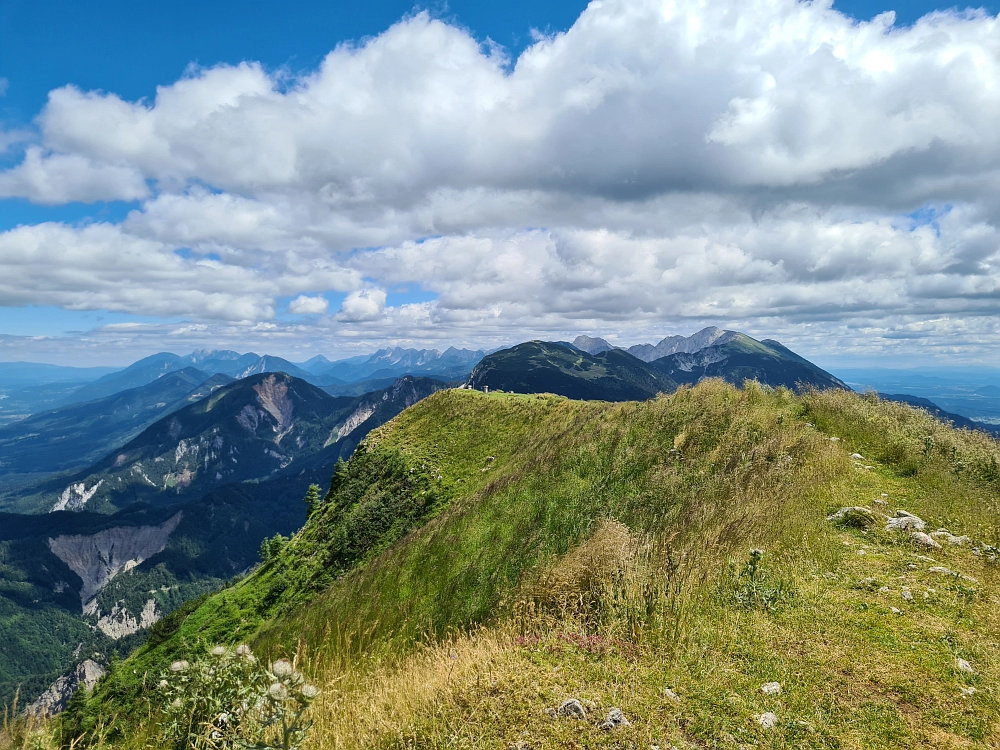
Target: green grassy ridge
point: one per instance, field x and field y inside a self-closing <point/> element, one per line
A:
<point x="751" y="471"/>
<point x="547" y="367"/>
<point x="410" y="590"/>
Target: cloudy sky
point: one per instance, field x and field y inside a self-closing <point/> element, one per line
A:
<point x="330" y="181"/>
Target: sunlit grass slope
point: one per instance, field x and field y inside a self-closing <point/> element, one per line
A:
<point x="483" y="558"/>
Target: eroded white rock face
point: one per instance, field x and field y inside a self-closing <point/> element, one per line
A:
<point x="354" y="421"/>
<point x="272" y="395"/>
<point x="119" y="622"/>
<point x="99" y="557"/>
<point x="76" y="496"/>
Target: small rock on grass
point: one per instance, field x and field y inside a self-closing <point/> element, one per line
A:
<point x="907" y="595"/>
<point x="919" y="537"/>
<point x="904" y="521"/>
<point x="615" y="720"/>
<point x="948" y="572"/>
<point x="572" y="708"/>
<point x="767" y="720"/>
<point x="670" y="694"/>
<point x="771" y="688"/>
<point x="958" y="541"/>
<point x="964" y="666"/>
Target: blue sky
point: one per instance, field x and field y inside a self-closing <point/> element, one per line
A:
<point x="128" y="49"/>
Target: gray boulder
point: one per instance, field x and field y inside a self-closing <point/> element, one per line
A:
<point x="615" y="720"/>
<point x="572" y="708"/>
<point x="924" y="540"/>
<point x="904" y="521"/>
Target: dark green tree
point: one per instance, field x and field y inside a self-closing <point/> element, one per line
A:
<point x="313" y="499"/>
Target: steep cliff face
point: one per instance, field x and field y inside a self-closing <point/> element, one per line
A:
<point x="54" y="700"/>
<point x="378" y="407"/>
<point x="119" y="622"/>
<point x="100" y="557"/>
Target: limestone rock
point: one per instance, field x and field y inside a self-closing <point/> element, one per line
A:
<point x="767" y="720"/>
<point x="771" y="688"/>
<point x="572" y="708"/>
<point x="919" y="537"/>
<point x="119" y="622"/>
<point x="964" y="666"/>
<point x="54" y="700"/>
<point x="904" y="521"/>
<point x="615" y="720"/>
<point x="947" y="536"/>
<point x="948" y="572"/>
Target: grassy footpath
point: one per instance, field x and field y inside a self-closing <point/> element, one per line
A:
<point x="484" y="557"/>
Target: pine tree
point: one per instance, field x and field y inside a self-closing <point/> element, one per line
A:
<point x="312" y="499"/>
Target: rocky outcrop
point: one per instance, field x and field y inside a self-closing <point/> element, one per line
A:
<point x="54" y="700"/>
<point x="358" y="417"/>
<point x="703" y="339"/>
<point x="119" y="622"/>
<point x="76" y="496"/>
<point x="99" y="557"/>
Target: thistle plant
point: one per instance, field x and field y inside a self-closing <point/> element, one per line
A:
<point x="228" y="699"/>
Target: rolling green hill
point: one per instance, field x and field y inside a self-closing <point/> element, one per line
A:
<point x="546" y="367"/>
<point x="742" y="358"/>
<point x="484" y="558"/>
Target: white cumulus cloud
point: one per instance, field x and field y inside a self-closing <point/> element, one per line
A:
<point x="303" y="305"/>
<point x="659" y="165"/>
<point x="362" y="305"/>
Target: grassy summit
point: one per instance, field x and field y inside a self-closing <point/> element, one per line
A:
<point x="483" y="558"/>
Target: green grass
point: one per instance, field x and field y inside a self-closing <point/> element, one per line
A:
<point x="483" y="557"/>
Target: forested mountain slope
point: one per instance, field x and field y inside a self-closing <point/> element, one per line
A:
<point x="73" y="436"/>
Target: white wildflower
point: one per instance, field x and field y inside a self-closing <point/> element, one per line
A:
<point x="282" y="668"/>
<point x="278" y="692"/>
<point x="310" y="691"/>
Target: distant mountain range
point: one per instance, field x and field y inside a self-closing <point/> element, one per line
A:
<point x="704" y="338"/>
<point x="592" y="369"/>
<point x="250" y="429"/>
<point x="73" y="436"/>
<point x="452" y="364"/>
